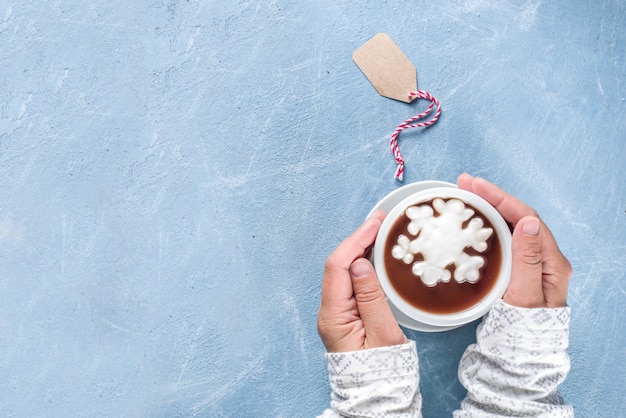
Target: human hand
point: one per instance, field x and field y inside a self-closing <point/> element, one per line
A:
<point x="354" y="313"/>
<point x="540" y="272"/>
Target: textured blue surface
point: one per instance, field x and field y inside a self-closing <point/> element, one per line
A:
<point x="174" y="174"/>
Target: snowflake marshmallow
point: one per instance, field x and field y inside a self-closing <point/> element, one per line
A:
<point x="442" y="240"/>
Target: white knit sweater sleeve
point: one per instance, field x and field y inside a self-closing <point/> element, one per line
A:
<point x="379" y="382"/>
<point x="517" y="363"/>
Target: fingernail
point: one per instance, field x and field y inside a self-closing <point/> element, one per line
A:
<point x="375" y="214"/>
<point x="531" y="227"/>
<point x="360" y="268"/>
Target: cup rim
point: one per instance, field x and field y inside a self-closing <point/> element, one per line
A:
<point x="455" y="318"/>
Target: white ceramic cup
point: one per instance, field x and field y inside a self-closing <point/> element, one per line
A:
<point x="481" y="307"/>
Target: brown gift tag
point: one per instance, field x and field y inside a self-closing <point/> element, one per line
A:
<point x="387" y="68"/>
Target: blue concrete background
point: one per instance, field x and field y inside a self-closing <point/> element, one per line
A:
<point x="174" y="174"/>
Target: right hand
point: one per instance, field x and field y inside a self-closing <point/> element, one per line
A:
<point x="540" y="273"/>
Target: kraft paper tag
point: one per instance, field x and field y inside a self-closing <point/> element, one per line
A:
<point x="387" y="68"/>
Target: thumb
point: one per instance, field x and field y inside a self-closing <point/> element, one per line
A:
<point x="525" y="288"/>
<point x="381" y="328"/>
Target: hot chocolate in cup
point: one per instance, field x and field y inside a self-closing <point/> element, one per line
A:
<point x="443" y="256"/>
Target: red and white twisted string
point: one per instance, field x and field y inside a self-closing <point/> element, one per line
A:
<point x="421" y="94"/>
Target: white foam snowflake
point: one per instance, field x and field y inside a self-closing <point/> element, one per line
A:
<point x="442" y="240"/>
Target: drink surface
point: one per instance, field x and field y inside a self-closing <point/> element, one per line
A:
<point x="447" y="297"/>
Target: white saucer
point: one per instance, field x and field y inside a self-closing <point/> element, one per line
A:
<point x="386" y="204"/>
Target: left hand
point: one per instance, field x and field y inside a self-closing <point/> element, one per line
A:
<point x="354" y="313"/>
